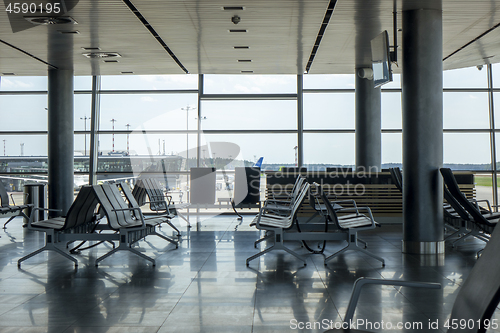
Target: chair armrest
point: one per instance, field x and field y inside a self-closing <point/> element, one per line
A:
<point x="361" y="282"/>
<point x="352" y="201"/>
<point x="475" y="202"/>
<point x="357" y="210"/>
<point x="132" y="209"/>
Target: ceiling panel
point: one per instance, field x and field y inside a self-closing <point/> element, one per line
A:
<point x="280" y="35"/>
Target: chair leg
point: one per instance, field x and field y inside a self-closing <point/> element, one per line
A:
<point x="8" y="221"/>
<point x="266" y="237"/>
<point x="176" y="243"/>
<point x="174" y="227"/>
<point x="125" y="246"/>
<point x="352" y="244"/>
<point x="269" y="249"/>
<point x="49" y="245"/>
<point x="278" y="245"/>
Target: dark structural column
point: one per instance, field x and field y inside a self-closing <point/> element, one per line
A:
<point x="422" y="100"/>
<point x="368" y="125"/>
<point x="60" y="139"/>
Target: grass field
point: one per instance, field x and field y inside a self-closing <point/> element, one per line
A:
<point x="485" y="180"/>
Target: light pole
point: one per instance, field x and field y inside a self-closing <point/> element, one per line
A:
<point x="85" y="118"/>
<point x="128" y="146"/>
<point x="4" y="147"/>
<point x="22" y="149"/>
<point x="187" y="108"/>
<point x="113" y="121"/>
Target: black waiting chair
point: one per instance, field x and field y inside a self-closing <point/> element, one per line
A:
<point x="455" y="217"/>
<point x="477" y="298"/>
<point x="349" y="221"/>
<point x="7" y="208"/>
<point x="486" y="221"/>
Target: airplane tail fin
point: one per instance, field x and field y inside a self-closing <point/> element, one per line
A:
<point x="258" y="164"/>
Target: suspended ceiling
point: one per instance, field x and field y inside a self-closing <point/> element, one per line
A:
<point x="175" y="37"/>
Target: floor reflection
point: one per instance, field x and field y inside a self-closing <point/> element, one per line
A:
<point x="205" y="286"/>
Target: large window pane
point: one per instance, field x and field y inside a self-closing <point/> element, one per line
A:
<point x="147" y="144"/>
<point x="496" y="100"/>
<point x="392" y="148"/>
<point x="277" y="149"/>
<point x="153" y="112"/>
<point x="469" y="151"/>
<point x="391" y="110"/>
<point x="149" y="82"/>
<point x="23" y="145"/>
<point x="329" y="111"/>
<point x="469" y="77"/>
<point x="329" y="149"/>
<point x="243" y="115"/>
<point x="465" y="110"/>
<point x="250" y="84"/>
<point x="329" y="81"/>
<point x="395" y="83"/>
<point x="23" y="83"/>
<point x="23" y="112"/>
<point x="82" y="83"/>
<point x="82" y="111"/>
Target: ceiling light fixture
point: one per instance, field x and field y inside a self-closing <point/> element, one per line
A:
<point x="237" y="30"/>
<point x="101" y="55"/>
<point x="241" y="47"/>
<point x="247" y="72"/>
<point x="50" y="20"/>
<point x="244" y="60"/>
<point x="6" y="74"/>
<point x="70" y="32"/>
<point x="91" y="48"/>
<point x="233" y="8"/>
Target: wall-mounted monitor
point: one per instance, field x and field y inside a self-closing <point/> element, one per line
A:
<point x="381" y="62"/>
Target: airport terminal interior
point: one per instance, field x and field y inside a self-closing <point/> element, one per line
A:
<point x="236" y="166"/>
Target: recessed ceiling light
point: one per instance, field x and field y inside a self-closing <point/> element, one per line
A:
<point x="8" y="74"/>
<point x="110" y="60"/>
<point x="91" y="48"/>
<point x="241" y="47"/>
<point x="70" y="32"/>
<point x="237" y="30"/>
<point x="127" y="72"/>
<point x="244" y="60"/>
<point x="49" y="20"/>
<point x="102" y="55"/>
<point x="233" y="8"/>
<point x="247" y="72"/>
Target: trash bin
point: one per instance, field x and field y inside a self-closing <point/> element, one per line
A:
<point x="36" y="194"/>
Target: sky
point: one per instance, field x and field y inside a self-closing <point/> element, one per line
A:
<point x="322" y="111"/>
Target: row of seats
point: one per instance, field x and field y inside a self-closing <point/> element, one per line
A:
<point x="278" y="218"/>
<point x="118" y="206"/>
<point x="466" y="217"/>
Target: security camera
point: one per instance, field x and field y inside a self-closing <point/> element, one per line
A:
<point x="235" y="19"/>
<point x="479" y="67"/>
<point x="365" y="73"/>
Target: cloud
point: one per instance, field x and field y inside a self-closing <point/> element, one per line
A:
<point x="148" y="99"/>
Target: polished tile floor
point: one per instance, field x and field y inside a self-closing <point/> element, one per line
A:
<point x="205" y="286"/>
